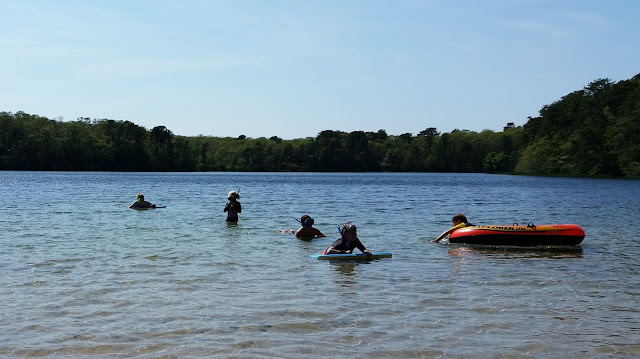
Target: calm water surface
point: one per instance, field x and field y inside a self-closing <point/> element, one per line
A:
<point x="83" y="275"/>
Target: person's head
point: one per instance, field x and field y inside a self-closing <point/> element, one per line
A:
<point x="348" y="229"/>
<point x="233" y="195"/>
<point x="306" y="221"/>
<point x="140" y="197"/>
<point x="459" y="218"/>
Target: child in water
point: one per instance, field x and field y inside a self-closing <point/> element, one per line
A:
<point x="140" y="203"/>
<point x="233" y="207"/>
<point x="459" y="220"/>
<point x="307" y="231"/>
<point x="348" y="242"/>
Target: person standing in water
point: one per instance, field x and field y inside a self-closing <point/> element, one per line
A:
<point x="233" y="207"/>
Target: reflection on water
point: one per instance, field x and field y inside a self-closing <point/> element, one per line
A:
<point x="231" y="224"/>
<point x="347" y="277"/>
<point x="506" y="252"/>
<point x="346" y="269"/>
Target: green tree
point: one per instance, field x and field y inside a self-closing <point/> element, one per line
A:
<point x="162" y="148"/>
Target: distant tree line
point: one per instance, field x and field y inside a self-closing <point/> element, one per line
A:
<point x="593" y="131"/>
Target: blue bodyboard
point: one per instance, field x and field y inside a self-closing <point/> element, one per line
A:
<point x="352" y="256"/>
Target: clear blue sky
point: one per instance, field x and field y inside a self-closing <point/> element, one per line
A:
<point x="293" y="68"/>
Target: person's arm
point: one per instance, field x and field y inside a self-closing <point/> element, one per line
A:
<point x="239" y="207"/>
<point x="226" y="207"/>
<point x="444" y="234"/>
<point x="332" y="250"/>
<point x="361" y="247"/>
<point x="448" y="232"/>
<point x="318" y="233"/>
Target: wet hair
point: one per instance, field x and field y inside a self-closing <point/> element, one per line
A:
<point x="460" y="217"/>
<point x="306" y="221"/>
<point x="346" y="227"/>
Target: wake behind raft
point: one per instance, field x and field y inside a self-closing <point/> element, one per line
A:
<point x="517" y="235"/>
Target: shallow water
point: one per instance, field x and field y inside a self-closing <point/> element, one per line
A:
<point x="83" y="275"/>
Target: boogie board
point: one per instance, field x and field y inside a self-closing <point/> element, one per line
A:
<point x="352" y="256"/>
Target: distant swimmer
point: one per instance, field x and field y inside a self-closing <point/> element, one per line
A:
<point x="348" y="242"/>
<point x="233" y="207"/>
<point x="140" y="203"/>
<point x="459" y="220"/>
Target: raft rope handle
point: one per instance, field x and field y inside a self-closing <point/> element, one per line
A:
<point x="530" y="225"/>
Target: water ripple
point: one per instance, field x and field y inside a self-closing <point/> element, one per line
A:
<point x="181" y="282"/>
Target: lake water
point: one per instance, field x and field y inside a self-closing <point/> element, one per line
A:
<point x="83" y="275"/>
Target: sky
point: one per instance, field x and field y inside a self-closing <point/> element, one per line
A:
<point x="294" y="68"/>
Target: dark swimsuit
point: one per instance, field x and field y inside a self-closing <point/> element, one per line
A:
<point x="232" y="208"/>
<point x="141" y="205"/>
<point x="344" y="245"/>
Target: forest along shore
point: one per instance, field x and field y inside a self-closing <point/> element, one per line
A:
<point x="594" y="131"/>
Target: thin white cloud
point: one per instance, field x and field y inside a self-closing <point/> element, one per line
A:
<point x="558" y="24"/>
<point x="587" y="18"/>
<point x="534" y="26"/>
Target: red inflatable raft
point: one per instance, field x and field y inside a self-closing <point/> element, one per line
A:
<point x="516" y="235"/>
